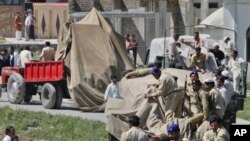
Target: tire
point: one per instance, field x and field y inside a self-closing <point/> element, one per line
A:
<point x="27" y="98"/>
<point x="59" y="97"/>
<point x="15" y="88"/>
<point x="48" y="96"/>
<point x="112" y="138"/>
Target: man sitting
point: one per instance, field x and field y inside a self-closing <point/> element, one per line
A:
<point x="198" y="60"/>
<point x="134" y="133"/>
<point x="216" y="132"/>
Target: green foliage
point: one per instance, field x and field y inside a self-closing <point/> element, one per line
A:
<point x="245" y="113"/>
<point x="2" y="40"/>
<point x="39" y="125"/>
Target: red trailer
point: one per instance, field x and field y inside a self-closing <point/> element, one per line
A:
<point x="43" y="77"/>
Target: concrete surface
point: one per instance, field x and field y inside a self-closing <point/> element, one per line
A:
<point x="13" y="41"/>
<point x="68" y="108"/>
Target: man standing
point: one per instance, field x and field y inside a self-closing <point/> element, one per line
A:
<point x="234" y="66"/>
<point x="132" y="46"/>
<point x="134" y="133"/>
<point x="29" y="26"/>
<point x="173" y="53"/>
<point x="25" y="56"/>
<point x="216" y="132"/>
<point x="11" y="56"/>
<point x="18" y="26"/>
<point x="48" y="53"/>
<point x="196" y="43"/>
<point x="228" y="49"/>
<point x="112" y="90"/>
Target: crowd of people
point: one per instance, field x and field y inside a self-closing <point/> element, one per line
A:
<point x="207" y="104"/>
<point x="18" y="57"/>
<point x="131" y="47"/>
<point x="212" y="60"/>
<point x="29" y="28"/>
<point x="200" y="60"/>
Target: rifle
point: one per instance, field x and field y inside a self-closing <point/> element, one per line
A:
<point x="186" y="97"/>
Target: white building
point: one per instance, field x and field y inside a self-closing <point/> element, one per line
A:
<point x="233" y="16"/>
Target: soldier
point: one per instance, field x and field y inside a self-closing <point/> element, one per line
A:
<point x="198" y="104"/>
<point x="216" y="105"/>
<point x="167" y="89"/>
<point x="216" y="102"/>
<point x="193" y="76"/>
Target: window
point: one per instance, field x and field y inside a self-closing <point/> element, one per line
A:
<point x="213" y="5"/>
<point x="9" y="2"/>
<point x="248" y="45"/>
<point x="197" y="5"/>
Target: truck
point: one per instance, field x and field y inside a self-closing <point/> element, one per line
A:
<point x="45" y="78"/>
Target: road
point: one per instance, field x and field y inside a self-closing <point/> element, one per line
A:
<point x="68" y="108"/>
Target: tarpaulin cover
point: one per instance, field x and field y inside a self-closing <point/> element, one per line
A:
<point x="92" y="52"/>
<point x="150" y="111"/>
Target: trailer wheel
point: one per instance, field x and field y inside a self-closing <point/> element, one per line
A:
<point x="111" y="137"/>
<point x="48" y="96"/>
<point x="15" y="88"/>
<point x="59" y="97"/>
<point x="27" y="98"/>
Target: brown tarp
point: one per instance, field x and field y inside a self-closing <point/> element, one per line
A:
<point x="150" y="111"/>
<point x="92" y="52"/>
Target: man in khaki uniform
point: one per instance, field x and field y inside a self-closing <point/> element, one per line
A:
<point x="198" y="104"/>
<point x="134" y="133"/>
<point x="169" y="93"/>
<point x="216" y="105"/>
<point x="48" y="53"/>
<point x="216" y="102"/>
<point x="217" y="132"/>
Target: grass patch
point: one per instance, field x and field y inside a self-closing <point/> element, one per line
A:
<point x="39" y="125"/>
<point x="2" y="40"/>
<point x="245" y="113"/>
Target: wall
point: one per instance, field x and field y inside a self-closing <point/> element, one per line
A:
<point x="236" y="11"/>
<point x="50" y="19"/>
<point x="7" y="14"/>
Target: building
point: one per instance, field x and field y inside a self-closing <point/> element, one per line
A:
<point x="147" y="19"/>
<point x="49" y="14"/>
